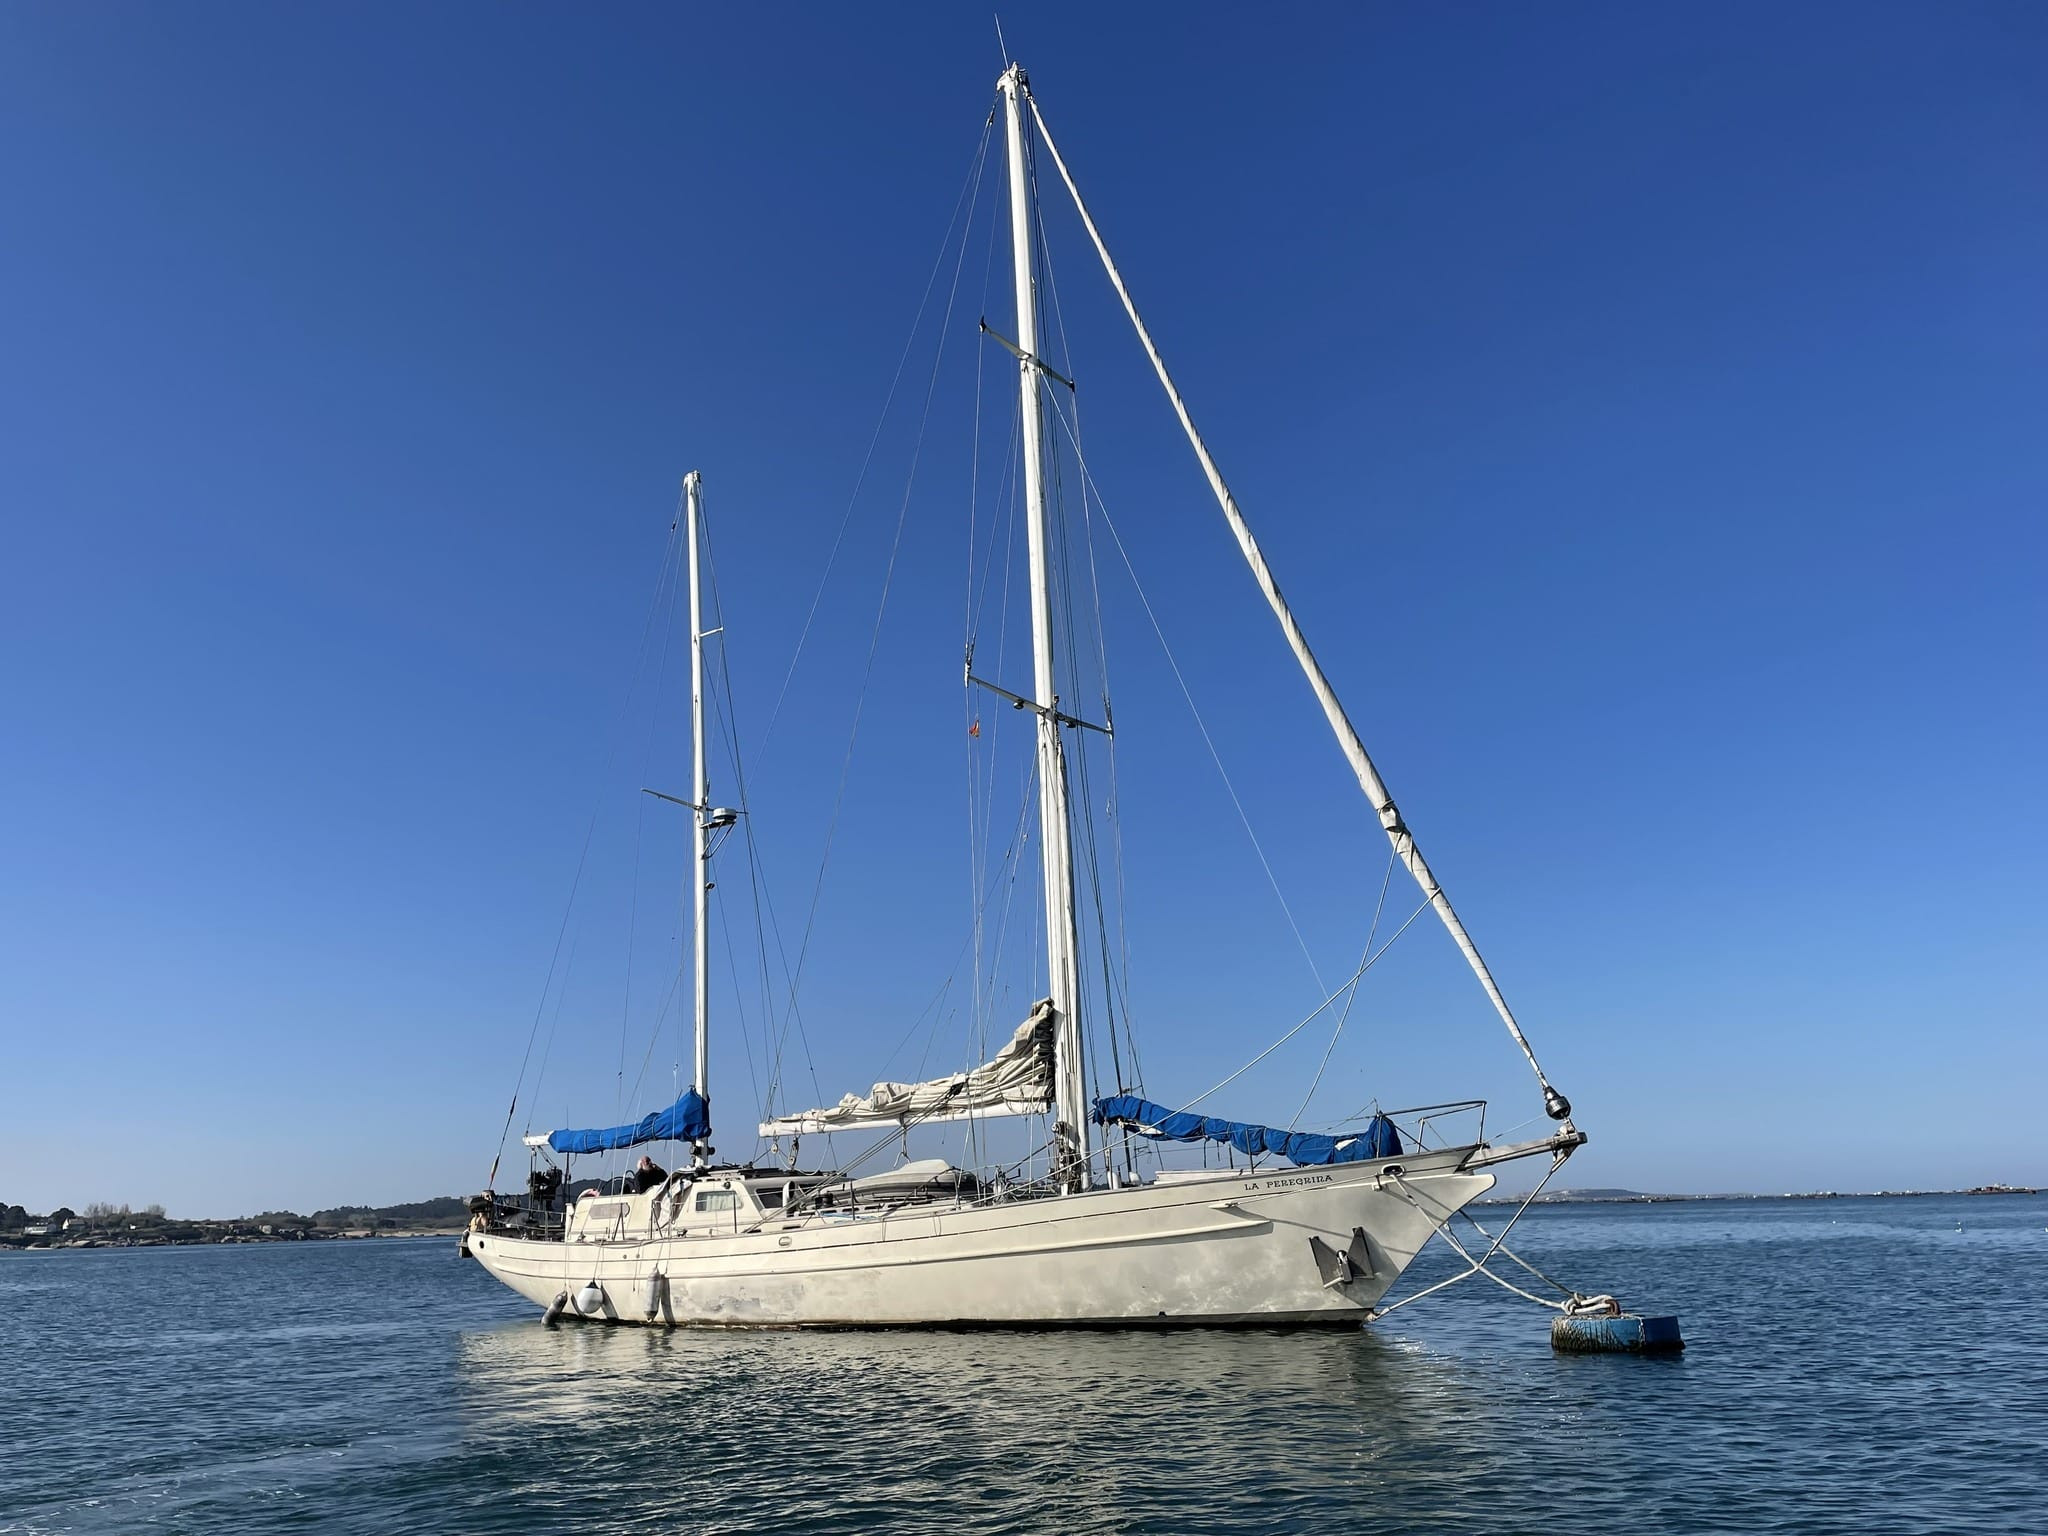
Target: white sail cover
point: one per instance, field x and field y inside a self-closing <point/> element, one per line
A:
<point x="1017" y="1081"/>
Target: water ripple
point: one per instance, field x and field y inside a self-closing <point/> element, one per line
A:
<point x="1855" y="1365"/>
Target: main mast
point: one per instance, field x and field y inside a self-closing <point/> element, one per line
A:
<point x="700" y="811"/>
<point x="1062" y="944"/>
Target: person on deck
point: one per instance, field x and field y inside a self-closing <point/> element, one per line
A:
<point x="646" y="1174"/>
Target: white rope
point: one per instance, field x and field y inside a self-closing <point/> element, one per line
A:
<point x="1509" y="1253"/>
<point x="1474" y="1266"/>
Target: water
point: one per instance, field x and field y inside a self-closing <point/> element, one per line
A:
<point x="1855" y="1365"/>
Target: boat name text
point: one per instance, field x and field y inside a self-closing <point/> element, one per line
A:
<point x="1293" y="1183"/>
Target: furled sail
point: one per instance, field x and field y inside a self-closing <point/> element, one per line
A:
<point x="688" y="1119"/>
<point x="1378" y="1139"/>
<point x="1016" y="1081"/>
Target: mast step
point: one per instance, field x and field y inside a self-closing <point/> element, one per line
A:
<point x="1626" y="1333"/>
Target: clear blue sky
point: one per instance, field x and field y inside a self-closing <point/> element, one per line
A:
<point x="1644" y="410"/>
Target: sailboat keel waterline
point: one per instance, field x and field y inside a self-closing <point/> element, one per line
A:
<point x="1270" y="1247"/>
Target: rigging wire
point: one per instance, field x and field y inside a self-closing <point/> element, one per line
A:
<point x="981" y="815"/>
<point x="654" y="1035"/>
<point x="640" y="825"/>
<point x="547" y="1048"/>
<point x="1356" y="976"/>
<point x="721" y="702"/>
<point x="1344" y="1017"/>
<point x="732" y="965"/>
<point x="793" y="1014"/>
<point x="1116" y="1001"/>
<point x="1058" y="573"/>
<point x="982" y="1001"/>
<point x="1307" y="1019"/>
<point x="969" y="199"/>
<point x="1011" y="868"/>
<point x="728" y="716"/>
<point x="974" y="441"/>
<point x="932" y="1007"/>
<point x="724" y="711"/>
<point x="582" y="861"/>
<point x="1118" y="980"/>
<point x="1554" y="1103"/>
<point x="1188" y="694"/>
<point x="976" y="1023"/>
<point x="766" y="923"/>
<point x="888" y="581"/>
<point x="972" y="181"/>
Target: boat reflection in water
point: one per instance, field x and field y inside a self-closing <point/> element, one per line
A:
<point x="1060" y="1431"/>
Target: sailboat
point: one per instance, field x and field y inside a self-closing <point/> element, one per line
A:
<point x="1309" y="1228"/>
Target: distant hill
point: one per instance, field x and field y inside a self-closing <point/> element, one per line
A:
<point x="1562" y="1196"/>
<point x="1593" y="1194"/>
<point x="441" y="1211"/>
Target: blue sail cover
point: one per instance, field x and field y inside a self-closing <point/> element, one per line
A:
<point x="688" y="1119"/>
<point x="1378" y="1139"/>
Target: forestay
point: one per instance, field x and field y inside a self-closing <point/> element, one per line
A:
<point x="1016" y="1081"/>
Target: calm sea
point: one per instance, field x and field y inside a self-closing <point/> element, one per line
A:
<point x="1855" y="1366"/>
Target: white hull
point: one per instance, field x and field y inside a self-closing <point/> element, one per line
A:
<point x="1233" y="1250"/>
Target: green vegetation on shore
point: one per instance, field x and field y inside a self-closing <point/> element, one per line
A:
<point x="102" y="1225"/>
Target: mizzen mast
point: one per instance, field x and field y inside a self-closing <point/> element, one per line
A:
<point x="700" y="811"/>
<point x="1062" y="943"/>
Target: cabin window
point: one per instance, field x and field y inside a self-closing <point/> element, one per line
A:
<point x="718" y="1200"/>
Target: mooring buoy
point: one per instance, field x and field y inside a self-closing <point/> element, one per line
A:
<point x="1626" y="1333"/>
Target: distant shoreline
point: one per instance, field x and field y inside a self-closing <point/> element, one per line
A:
<point x="9" y="1243"/>
<point x="104" y="1225"/>
<point x="216" y="1234"/>
<point x="1639" y="1197"/>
